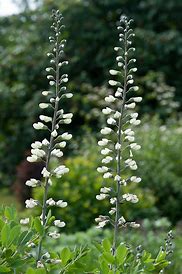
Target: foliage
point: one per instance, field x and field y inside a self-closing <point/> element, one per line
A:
<point x="160" y="164"/>
<point x="24" y="42"/>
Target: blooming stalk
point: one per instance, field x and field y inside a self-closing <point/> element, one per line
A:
<point x="45" y="150"/>
<point x="119" y="143"/>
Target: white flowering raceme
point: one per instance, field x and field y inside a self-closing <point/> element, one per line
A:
<point x="117" y="152"/>
<point x="24" y="221"/>
<point x="53" y="146"/>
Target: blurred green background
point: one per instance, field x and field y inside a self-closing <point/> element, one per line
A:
<point x="91" y="35"/>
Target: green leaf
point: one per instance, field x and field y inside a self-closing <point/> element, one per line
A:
<point x="106" y="245"/>
<point x="121" y="254"/>
<point x="38" y="226"/>
<point x="25" y="237"/>
<point x="35" y="271"/>
<point x="108" y="257"/>
<point x="10" y="213"/>
<point x="65" y="255"/>
<point x="5" y="232"/>
<point x="14" y="233"/>
<point x="4" y="269"/>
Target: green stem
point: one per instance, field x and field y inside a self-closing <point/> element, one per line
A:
<point x="51" y="143"/>
<point x="114" y="246"/>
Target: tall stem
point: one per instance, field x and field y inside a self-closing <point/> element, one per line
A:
<point x="51" y="143"/>
<point x="119" y="154"/>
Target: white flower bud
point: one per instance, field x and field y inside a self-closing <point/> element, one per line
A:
<point x="43" y="105"/>
<point x="32" y="159"/>
<point x="135" y="179"/>
<point x="103" y="142"/>
<point x="32" y="183"/>
<point x="45" y="173"/>
<point x="102" y="169"/>
<point x="38" y="125"/>
<point x="106" y="130"/>
<point x="107" y="175"/>
<point x="31" y="203"/>
<point x="101" y="196"/>
<point x="117" y="146"/>
<point x="58" y="223"/>
<point x="24" y="221"/>
<point x="54" y="133"/>
<point x="130" y="106"/>
<point x="50" y="202"/>
<point x="61" y="203"/>
<point x="106" y="111"/>
<point x="113" y="83"/>
<point x="105" y="190"/>
<point x="45" y="118"/>
<point x="135" y="146"/>
<point x="66" y="136"/>
<point x="111" y="121"/>
<point x="110" y="99"/>
<point x="107" y="160"/>
<point x="105" y="151"/>
<point x="114" y="72"/>
<point x="54" y="235"/>
<point x="68" y="95"/>
<point x="137" y="99"/>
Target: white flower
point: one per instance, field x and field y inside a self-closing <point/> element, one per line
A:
<point x="45" y="142"/>
<point x="135" y="179"/>
<point x="107" y="175"/>
<point x="58" y="223"/>
<point x="121" y="221"/>
<point x="38" y="152"/>
<point x="69" y="95"/>
<point x="102" y="224"/>
<point x="32" y="182"/>
<point x="67" y="116"/>
<point x="45" y="118"/>
<point x="54" y="133"/>
<point x="62" y="144"/>
<point x="111" y="121"/>
<point x="137" y="99"/>
<point x="46" y="255"/>
<point x="102" y="169"/>
<point x="57" y="152"/>
<point x="105" y="190"/>
<point x="130" y="81"/>
<point x="50" y="202"/>
<point x="45" y="93"/>
<point x="135" y="122"/>
<point x="130" y="138"/>
<point x="129" y="132"/>
<point x="130" y="198"/>
<point x="110" y="99"/>
<point x="135" y="146"/>
<point x="66" y="136"/>
<point x="106" y="130"/>
<point x="43" y="105"/>
<point x="61" y="170"/>
<point x="101" y="196"/>
<point x="113" y="200"/>
<point x="105" y="151"/>
<point x="36" y="144"/>
<point x="113" y="83"/>
<point x="67" y="121"/>
<point x="40" y="264"/>
<point x="134" y="225"/>
<point x="54" y="235"/>
<point x="31" y="203"/>
<point x="32" y="158"/>
<point x="106" y="110"/>
<point x="117" y="115"/>
<point x="132" y="105"/>
<point x="117" y="178"/>
<point x="107" y="160"/>
<point x="24" y="221"/>
<point x="117" y="146"/>
<point x="114" y="72"/>
<point x="45" y="173"/>
<point x="112" y="211"/>
<point x="134" y="115"/>
<point x="103" y="142"/>
<point x="38" y="125"/>
<point x="61" y="203"/>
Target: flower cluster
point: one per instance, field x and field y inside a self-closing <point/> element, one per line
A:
<point x="118" y="143"/>
<point x="53" y="147"/>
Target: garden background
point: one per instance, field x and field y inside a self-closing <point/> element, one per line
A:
<point x="91" y="35"/>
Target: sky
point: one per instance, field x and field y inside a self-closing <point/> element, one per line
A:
<point x="7" y="7"/>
